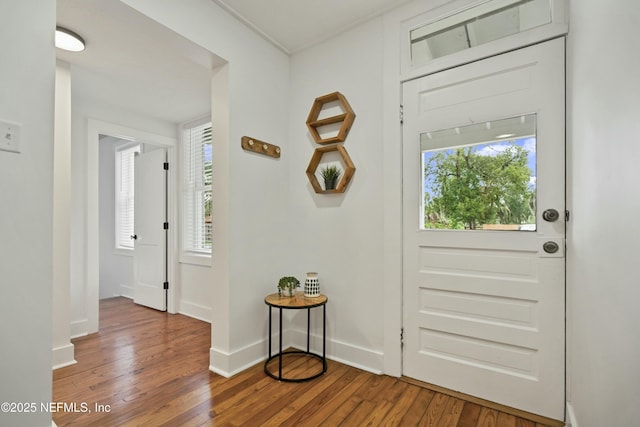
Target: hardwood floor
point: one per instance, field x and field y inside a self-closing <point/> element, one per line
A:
<point x="148" y="368"/>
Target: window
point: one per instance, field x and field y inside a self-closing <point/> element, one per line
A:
<point x="197" y="197"/>
<point x="488" y="21"/>
<point x="480" y="176"/>
<point x="124" y="194"/>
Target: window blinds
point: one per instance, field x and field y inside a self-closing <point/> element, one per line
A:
<point x="197" y="228"/>
<point x="124" y="195"/>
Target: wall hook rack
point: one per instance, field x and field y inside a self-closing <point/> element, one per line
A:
<point x="260" y="147"/>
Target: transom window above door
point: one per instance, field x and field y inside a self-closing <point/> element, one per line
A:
<point x="480" y="176"/>
<point x="474" y="26"/>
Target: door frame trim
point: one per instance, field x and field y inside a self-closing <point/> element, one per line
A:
<point x="545" y="95"/>
<point x="394" y="33"/>
<point x="92" y="238"/>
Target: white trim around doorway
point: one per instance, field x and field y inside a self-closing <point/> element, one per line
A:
<point x="94" y="129"/>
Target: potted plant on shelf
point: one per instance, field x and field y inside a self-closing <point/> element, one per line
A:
<point x="288" y="283"/>
<point x="330" y="174"/>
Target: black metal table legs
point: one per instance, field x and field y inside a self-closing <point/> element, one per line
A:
<point x="307" y="353"/>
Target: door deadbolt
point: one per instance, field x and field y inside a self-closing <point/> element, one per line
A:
<point x="550" y="247"/>
<point x="550" y="215"/>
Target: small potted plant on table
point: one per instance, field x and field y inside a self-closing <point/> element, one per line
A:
<point x="288" y="283"/>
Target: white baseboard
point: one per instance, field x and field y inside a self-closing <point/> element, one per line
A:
<point x="126" y="291"/>
<point x="358" y="357"/>
<point x="196" y="311"/>
<point x="571" y="416"/>
<point x="63" y="356"/>
<point x="229" y="364"/>
<point x="79" y="328"/>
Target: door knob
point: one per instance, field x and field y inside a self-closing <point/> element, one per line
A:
<point x="550" y="215"/>
<point x="134" y="236"/>
<point x="550" y="247"/>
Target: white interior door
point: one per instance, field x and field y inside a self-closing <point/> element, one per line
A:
<point x="483" y="291"/>
<point x="149" y="256"/>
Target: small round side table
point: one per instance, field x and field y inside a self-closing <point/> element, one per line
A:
<point x="296" y="303"/>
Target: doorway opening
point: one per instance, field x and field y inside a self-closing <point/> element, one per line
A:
<point x="116" y="214"/>
<point x="147" y="86"/>
<point x="131" y="263"/>
<point x="121" y="135"/>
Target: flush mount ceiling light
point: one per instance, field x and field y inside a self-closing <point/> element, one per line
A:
<point x="68" y="40"/>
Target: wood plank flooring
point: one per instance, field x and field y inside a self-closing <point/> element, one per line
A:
<point x="148" y="368"/>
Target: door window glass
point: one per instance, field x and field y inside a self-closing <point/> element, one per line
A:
<point x="480" y="176"/>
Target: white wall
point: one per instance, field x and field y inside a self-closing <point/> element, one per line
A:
<point x="602" y="117"/>
<point x="602" y="256"/>
<point x="26" y="251"/>
<point x="116" y="267"/>
<point x="340" y="236"/>
<point x="251" y="211"/>
<point x="196" y="291"/>
<point x="269" y="223"/>
<point x="264" y="232"/>
<point x="363" y="276"/>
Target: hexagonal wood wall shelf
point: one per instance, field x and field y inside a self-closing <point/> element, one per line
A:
<point x="347" y="118"/>
<point x="349" y="169"/>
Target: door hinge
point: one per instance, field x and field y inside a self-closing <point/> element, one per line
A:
<point x="567" y="214"/>
<point x="166" y="285"/>
<point x="165" y="166"/>
<point x="401" y="114"/>
<point x="401" y="337"/>
<point x="165" y="225"/>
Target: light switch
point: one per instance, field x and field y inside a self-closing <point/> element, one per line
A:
<point x="9" y="137"/>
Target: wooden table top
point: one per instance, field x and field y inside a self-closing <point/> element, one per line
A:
<point x="298" y="301"/>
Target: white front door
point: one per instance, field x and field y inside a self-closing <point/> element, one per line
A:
<point x="483" y="290"/>
<point x="150" y="215"/>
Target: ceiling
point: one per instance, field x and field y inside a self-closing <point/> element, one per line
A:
<point x="293" y="25"/>
<point x="134" y="63"/>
